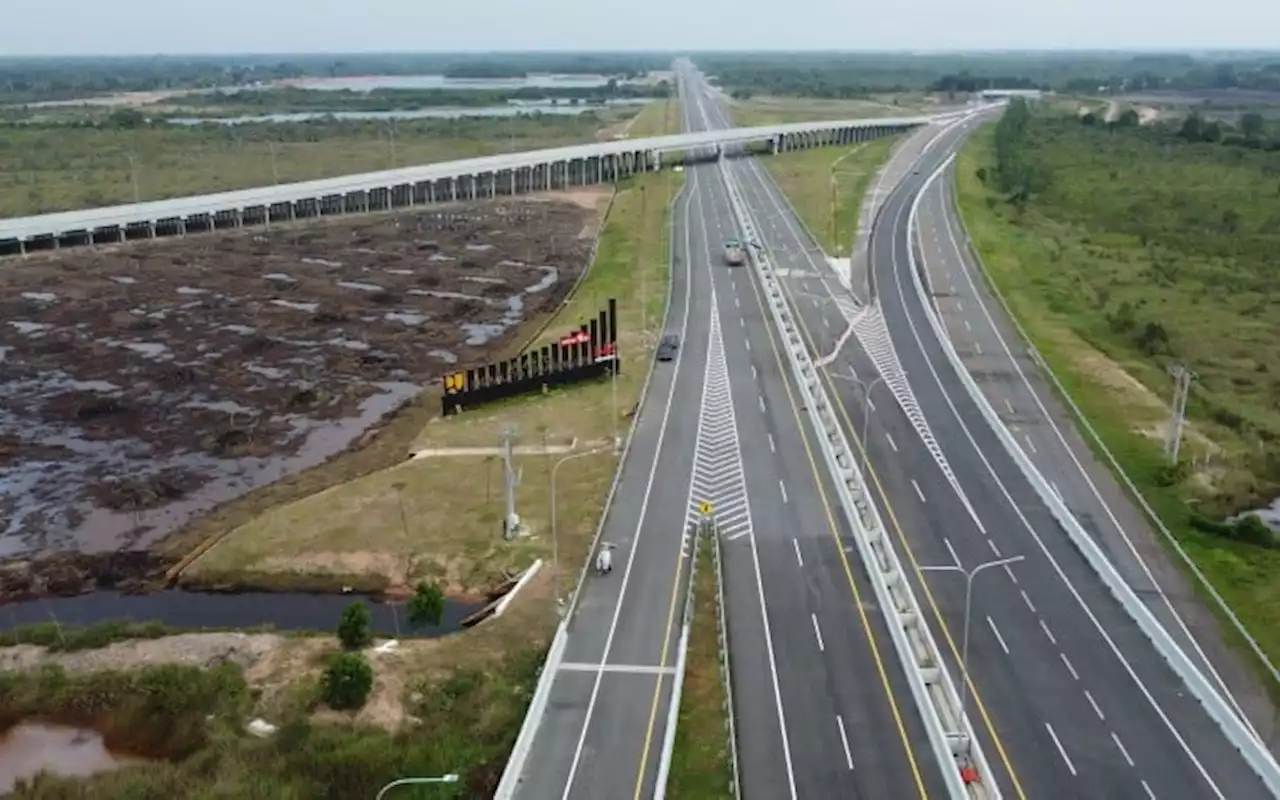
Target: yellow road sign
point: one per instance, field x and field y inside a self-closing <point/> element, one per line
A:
<point x="704" y="507"/>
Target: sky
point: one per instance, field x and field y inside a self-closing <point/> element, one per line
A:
<point x="91" y="27"/>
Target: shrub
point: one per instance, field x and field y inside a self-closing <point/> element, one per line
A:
<point x="353" y="626"/>
<point x="347" y="681"/>
<point x="427" y="604"/>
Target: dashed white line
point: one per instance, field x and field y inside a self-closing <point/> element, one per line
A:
<point x="1120" y="747"/>
<point x="967" y="326"/>
<point x="783" y="488"/>
<point x="1030" y="444"/>
<point x="1027" y="600"/>
<point x="772" y="448"/>
<point x="992" y="544"/>
<point x="736" y="302"/>
<point x="955" y="559"/>
<point x="1094" y="703"/>
<point x="960" y="306"/>
<point x="1044" y="626"/>
<point x="1150" y="793"/>
<point x="761" y="401"/>
<point x="977" y="348"/>
<point x="1009" y="572"/>
<point x="817" y="632"/>
<point x="1061" y="751"/>
<point x="826" y="321"/>
<point x="747" y="342"/>
<point x="742" y="322"/>
<point x="1070" y="668"/>
<point x="754" y="375"/>
<point x="892" y="444"/>
<point x="1008" y="406"/>
<point x="999" y="638"/>
<point x="799" y="558"/>
<point x="919" y="493"/>
<point x="844" y="740"/>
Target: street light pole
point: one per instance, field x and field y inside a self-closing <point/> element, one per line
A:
<point x="555" y="542"/>
<point x="450" y="778"/>
<point x="133" y="174"/>
<point x="969" y="575"/>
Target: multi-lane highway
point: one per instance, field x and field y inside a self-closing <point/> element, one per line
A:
<point x="603" y="726"/>
<point x="823" y="708"/>
<point x="1069" y="697"/>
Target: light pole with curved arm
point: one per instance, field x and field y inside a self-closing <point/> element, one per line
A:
<point x="866" y="411"/>
<point x="969" y="575"/>
<point x="452" y="777"/>
<point x="555" y="543"/>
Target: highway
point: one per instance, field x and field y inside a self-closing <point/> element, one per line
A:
<point x="602" y="730"/>
<point x="1011" y="380"/>
<point x="1068" y="696"/>
<point x="823" y="708"/>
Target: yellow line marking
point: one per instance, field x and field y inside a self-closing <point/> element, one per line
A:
<point x="844" y="560"/>
<point x="851" y="429"/>
<point x="662" y="662"/>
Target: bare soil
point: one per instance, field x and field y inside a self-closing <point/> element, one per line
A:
<point x="143" y="385"/>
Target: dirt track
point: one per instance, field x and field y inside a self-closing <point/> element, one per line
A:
<point x="145" y="385"/>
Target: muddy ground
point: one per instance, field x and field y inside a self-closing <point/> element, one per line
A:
<point x="143" y="385"/>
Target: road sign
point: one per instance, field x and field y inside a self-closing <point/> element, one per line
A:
<point x="704" y="507"/>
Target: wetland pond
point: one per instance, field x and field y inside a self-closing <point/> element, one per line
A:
<point x="33" y="747"/>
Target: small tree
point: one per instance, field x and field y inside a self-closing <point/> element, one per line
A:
<point x="347" y="681"/>
<point x="427" y="604"/>
<point x="353" y="626"/>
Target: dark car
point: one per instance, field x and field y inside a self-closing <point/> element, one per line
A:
<point x="668" y="346"/>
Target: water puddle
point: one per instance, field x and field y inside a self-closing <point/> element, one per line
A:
<point x="321" y="262"/>
<point x="34" y="747"/>
<point x="444" y="355"/>
<point x="310" y="308"/>
<point x="491" y="281"/>
<point x="407" y="317"/>
<point x="191" y="290"/>
<point x="364" y="287"/>
<point x="125" y="279"/>
<point x="398" y="271"/>
<point x="40" y="297"/>
<point x="280" y="277"/>
<point x="549" y="276"/>
<point x="27" y="328"/>
<point x="1270" y="514"/>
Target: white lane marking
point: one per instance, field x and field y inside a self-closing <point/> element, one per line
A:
<point x="977" y="348"/>
<point x="844" y="740"/>
<point x="960" y="306"/>
<point x="742" y="322"/>
<point x="955" y="559"/>
<point x="919" y="493"/>
<point x="754" y="375"/>
<point x="999" y="638"/>
<point x="826" y="321"/>
<point x="817" y="632"/>
<point x="1070" y="667"/>
<point x="735" y="536"/>
<point x="967" y="326"/>
<point x="772" y="448"/>
<point x="1094" y="703"/>
<point x="1027" y="438"/>
<point x="799" y="559"/>
<point x="747" y="343"/>
<point x="871" y="406"/>
<point x="1061" y="751"/>
<point x="1027" y="600"/>
<point x="1120" y="746"/>
<point x="1150" y="793"/>
<point x="736" y="303"/>
<point x="892" y="444"/>
<point x="783" y="488"/>
<point x="1008" y="406"/>
<point x="637" y="669"/>
<point x="1009" y="572"/>
<point x="761" y="400"/>
<point x="1044" y="626"/>
<point x="992" y="544"/>
<point x="1053" y="487"/>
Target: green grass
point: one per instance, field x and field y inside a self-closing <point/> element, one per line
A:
<point x="1183" y="235"/>
<point x="191" y="722"/>
<point x="700" y="766"/>
<point x="72" y="638"/>
<point x="62" y="167"/>
<point x="806" y="176"/>
<point x="770" y="109"/>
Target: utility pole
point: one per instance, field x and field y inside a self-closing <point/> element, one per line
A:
<point x="1182" y="378"/>
<point x="510" y="479"/>
<point x="275" y="171"/>
<point x="391" y="141"/>
<point x="133" y="174"/>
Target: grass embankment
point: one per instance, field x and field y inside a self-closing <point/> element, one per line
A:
<point x="700" y="766"/>
<point x="1133" y="250"/>
<point x="61" y="167"/>
<point x="806" y="177"/>
<point x="769" y="109"/>
<point x="439" y="518"/>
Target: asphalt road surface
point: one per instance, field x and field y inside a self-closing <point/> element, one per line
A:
<point x="602" y="732"/>
<point x="1069" y="699"/>
<point x="822" y="706"/>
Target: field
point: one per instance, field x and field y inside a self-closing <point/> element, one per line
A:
<point x="1134" y="250"/>
<point x="146" y="384"/>
<point x="769" y="110"/>
<point x="806" y="178"/>
<point x="61" y="167"/>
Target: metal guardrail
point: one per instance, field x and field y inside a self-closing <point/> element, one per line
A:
<point x="726" y="675"/>
<point x="538" y="702"/>
<point x="1237" y="733"/>
<point x="950" y="733"/>
<point x="682" y="655"/>
<point x="1133" y="490"/>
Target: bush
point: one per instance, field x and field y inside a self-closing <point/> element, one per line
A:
<point x="427" y="604"/>
<point x="347" y="681"/>
<point x="353" y="626"/>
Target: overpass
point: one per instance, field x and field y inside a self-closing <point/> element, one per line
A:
<point x="469" y="179"/>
